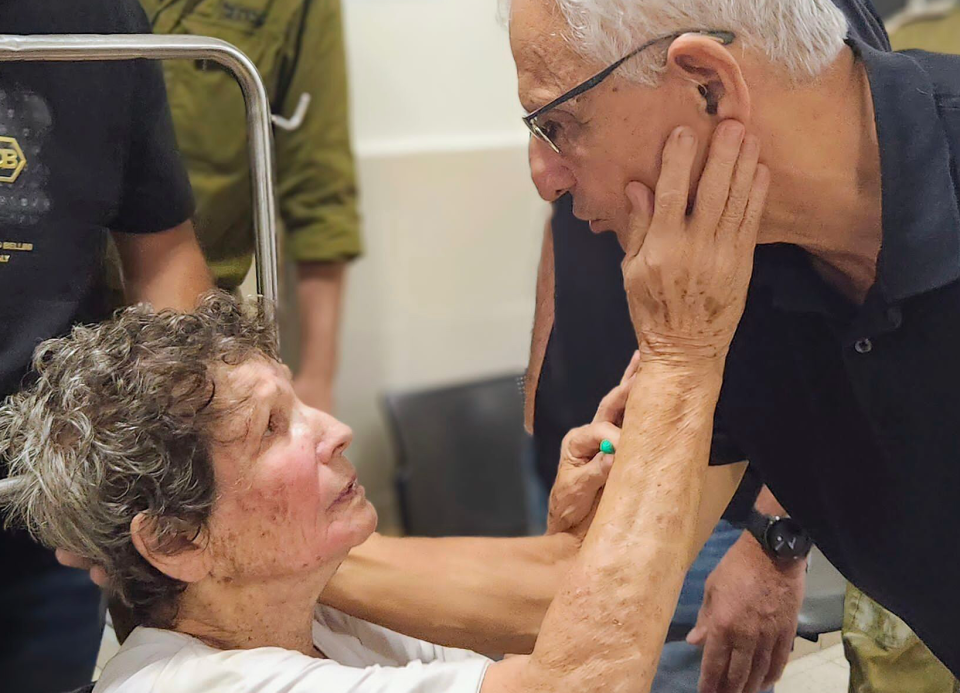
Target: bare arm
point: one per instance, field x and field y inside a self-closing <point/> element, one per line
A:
<point x="319" y="297"/>
<point x="542" y="324"/>
<point x="606" y="627"/>
<point x="628" y="574"/>
<point x="165" y="269"/>
<point x="494" y="592"/>
<point x="484" y="594"/>
<point x="768" y="504"/>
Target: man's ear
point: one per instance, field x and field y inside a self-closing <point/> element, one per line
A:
<point x="714" y="72"/>
<point x="179" y="552"/>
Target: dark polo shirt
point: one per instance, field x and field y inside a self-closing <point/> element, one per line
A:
<point x="850" y="413"/>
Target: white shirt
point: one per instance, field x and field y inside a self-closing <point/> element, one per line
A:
<point x="364" y="658"/>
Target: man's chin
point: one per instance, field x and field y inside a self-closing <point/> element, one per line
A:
<point x="600" y="226"/>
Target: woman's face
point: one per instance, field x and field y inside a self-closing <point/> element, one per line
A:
<point x="288" y="501"/>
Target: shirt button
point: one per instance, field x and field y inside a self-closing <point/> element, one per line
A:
<point x="863" y="346"/>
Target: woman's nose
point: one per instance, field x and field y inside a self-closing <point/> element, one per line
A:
<point x="549" y="171"/>
<point x="335" y="440"/>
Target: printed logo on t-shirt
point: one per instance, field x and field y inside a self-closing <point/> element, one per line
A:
<point x="25" y="124"/>
<point x="12" y="160"/>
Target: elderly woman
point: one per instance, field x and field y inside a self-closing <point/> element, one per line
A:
<point x="171" y="450"/>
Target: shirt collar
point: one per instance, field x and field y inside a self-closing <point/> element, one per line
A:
<point x="920" y="250"/>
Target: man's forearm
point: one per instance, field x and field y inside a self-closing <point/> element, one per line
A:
<point x="542" y="324"/>
<point x="165" y="269"/>
<point x="483" y="594"/>
<point x="319" y="297"/>
<point x="768" y="504"/>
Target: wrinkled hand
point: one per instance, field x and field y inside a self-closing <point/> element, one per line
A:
<point x="583" y="469"/>
<point x="748" y="620"/>
<point x="315" y="392"/>
<point x="97" y="574"/>
<point x="686" y="275"/>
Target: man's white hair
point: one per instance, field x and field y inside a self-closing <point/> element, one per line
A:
<point x="802" y="36"/>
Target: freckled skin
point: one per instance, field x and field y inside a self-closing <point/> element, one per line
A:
<point x="628" y="124"/>
<point x="278" y="531"/>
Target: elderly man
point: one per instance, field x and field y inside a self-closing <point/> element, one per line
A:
<point x="751" y="601"/>
<point x="844" y="360"/>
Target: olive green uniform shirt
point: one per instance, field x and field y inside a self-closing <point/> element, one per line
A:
<point x="298" y="48"/>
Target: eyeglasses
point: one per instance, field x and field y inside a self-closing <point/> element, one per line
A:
<point x="544" y="132"/>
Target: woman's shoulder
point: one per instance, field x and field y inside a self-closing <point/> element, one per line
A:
<point x="356" y="642"/>
<point x="143" y="659"/>
<point x="162" y="660"/>
<point x="372" y="662"/>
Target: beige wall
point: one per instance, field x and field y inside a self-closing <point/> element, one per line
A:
<point x="452" y="223"/>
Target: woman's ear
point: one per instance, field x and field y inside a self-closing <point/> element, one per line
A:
<point x="179" y="552"/>
<point x="711" y="69"/>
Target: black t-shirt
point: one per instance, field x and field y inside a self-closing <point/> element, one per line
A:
<point x="85" y="149"/>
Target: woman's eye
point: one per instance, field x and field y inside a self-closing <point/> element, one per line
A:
<point x="274" y="424"/>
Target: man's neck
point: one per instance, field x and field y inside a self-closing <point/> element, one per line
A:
<point x="229" y="615"/>
<point x="820" y="142"/>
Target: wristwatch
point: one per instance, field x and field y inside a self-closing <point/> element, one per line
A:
<point x="782" y="538"/>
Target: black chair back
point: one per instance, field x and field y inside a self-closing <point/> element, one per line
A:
<point x="459" y="454"/>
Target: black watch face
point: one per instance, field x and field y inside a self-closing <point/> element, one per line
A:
<point x="787" y="539"/>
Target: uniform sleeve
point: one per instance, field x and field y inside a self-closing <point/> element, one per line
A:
<point x="315" y="168"/>
<point x="156" y="191"/>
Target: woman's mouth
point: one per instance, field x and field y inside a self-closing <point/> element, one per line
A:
<point x="348" y="492"/>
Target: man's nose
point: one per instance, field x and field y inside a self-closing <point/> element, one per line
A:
<point x="549" y="171"/>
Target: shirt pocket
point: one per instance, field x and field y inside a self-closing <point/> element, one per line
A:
<point x="206" y="100"/>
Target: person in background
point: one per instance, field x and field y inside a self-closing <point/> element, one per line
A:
<point x="297" y="46"/>
<point x="86" y="151"/>
<point x="884" y="654"/>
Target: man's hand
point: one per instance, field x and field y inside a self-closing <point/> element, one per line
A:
<point x="165" y="269"/>
<point x="748" y="620"/>
<point x="686" y="275"/>
<point x="584" y="469"/>
<point x="320" y="290"/>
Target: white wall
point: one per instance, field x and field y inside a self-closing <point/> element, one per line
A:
<point x="452" y="223"/>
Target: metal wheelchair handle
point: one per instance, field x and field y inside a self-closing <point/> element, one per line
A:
<point x="88" y="47"/>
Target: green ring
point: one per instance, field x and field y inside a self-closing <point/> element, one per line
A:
<point x="606" y="447"/>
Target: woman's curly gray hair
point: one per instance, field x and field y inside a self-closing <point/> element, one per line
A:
<point x="118" y="423"/>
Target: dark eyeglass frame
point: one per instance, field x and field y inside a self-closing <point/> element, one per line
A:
<point x="530" y="120"/>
